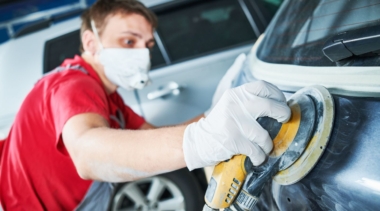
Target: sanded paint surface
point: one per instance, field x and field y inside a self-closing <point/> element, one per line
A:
<point x="321" y="135"/>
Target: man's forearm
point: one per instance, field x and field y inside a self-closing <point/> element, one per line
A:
<point x="147" y="125"/>
<point x="124" y="155"/>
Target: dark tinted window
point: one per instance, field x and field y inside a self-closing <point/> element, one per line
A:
<point x="204" y="27"/>
<point x="156" y="57"/>
<point x="61" y="48"/>
<point x="298" y="33"/>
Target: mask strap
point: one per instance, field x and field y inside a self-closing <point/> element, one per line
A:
<point x="96" y="33"/>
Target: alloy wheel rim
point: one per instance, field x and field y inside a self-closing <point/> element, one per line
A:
<point x="150" y="194"/>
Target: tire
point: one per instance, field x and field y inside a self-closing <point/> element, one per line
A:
<point x="175" y="191"/>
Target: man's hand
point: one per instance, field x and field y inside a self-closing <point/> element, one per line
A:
<point x="231" y="127"/>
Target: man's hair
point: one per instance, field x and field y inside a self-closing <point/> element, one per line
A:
<point x="102" y="9"/>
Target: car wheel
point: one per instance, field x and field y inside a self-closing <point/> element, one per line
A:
<point x="174" y="191"/>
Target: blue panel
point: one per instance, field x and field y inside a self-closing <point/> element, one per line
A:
<point x="66" y="15"/>
<point x="4" y="35"/>
<point x="17" y="27"/>
<point x="90" y="2"/>
<point x="21" y="8"/>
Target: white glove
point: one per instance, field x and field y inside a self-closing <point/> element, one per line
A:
<point x="231" y="127"/>
<point x="226" y="82"/>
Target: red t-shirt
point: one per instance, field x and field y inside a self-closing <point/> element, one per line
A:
<point x="36" y="172"/>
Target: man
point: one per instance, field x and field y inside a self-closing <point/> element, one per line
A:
<point x="67" y="133"/>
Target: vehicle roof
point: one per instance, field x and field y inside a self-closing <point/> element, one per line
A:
<point x="20" y="17"/>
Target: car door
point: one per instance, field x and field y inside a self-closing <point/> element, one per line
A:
<point x="196" y="42"/>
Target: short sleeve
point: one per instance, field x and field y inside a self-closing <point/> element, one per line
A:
<point x="77" y="95"/>
<point x="133" y="120"/>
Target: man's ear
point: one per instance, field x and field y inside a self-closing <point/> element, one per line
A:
<point x="89" y="42"/>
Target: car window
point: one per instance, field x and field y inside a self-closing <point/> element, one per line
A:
<point x="205" y="27"/>
<point x="299" y="37"/>
<point x="60" y="48"/>
<point x="157" y="59"/>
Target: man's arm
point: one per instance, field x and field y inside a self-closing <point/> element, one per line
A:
<point x="147" y="125"/>
<point x="102" y="153"/>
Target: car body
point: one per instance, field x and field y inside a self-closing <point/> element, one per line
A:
<point x="196" y="42"/>
<point x="292" y="54"/>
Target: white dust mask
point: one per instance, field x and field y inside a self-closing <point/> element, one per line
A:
<point x="125" y="67"/>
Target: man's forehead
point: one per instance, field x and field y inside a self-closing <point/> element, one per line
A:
<point x="132" y="22"/>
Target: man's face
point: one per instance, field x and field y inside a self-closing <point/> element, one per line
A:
<point x="127" y="31"/>
<point x="120" y="31"/>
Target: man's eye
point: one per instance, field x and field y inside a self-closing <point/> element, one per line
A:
<point x="129" y="42"/>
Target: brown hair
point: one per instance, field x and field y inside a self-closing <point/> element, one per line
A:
<point x="102" y="9"/>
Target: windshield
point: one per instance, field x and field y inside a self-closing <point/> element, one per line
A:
<point x="301" y="28"/>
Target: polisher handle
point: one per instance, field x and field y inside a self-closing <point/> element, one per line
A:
<point x="253" y="185"/>
<point x="220" y="194"/>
